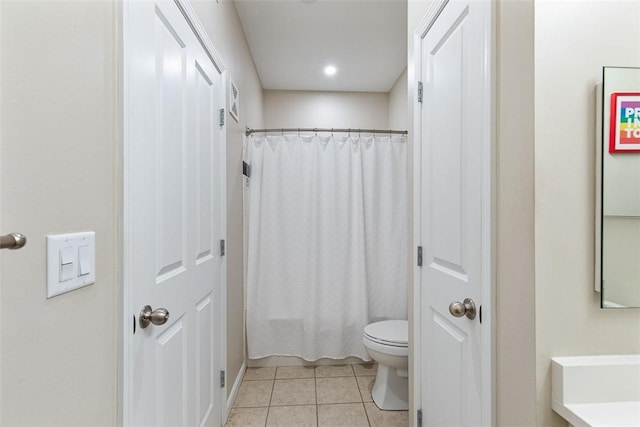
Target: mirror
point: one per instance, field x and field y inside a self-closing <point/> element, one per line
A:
<point x="619" y="189"/>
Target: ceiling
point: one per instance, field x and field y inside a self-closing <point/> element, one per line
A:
<point x="292" y="41"/>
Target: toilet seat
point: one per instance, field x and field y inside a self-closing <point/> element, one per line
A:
<point x="390" y="350"/>
<point x="394" y="333"/>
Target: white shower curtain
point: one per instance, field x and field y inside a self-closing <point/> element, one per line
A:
<point x="327" y="242"/>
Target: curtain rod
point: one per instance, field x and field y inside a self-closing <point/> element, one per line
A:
<point x="249" y="131"/>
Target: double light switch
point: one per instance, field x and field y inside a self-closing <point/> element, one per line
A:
<point x="70" y="262"/>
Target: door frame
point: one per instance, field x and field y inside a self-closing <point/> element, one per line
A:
<point x="125" y="239"/>
<point x="488" y="364"/>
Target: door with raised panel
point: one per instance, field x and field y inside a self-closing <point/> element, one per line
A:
<point x="173" y="221"/>
<point x="455" y="213"/>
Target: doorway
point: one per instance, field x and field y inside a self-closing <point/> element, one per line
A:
<point x="453" y="184"/>
<point x="174" y="219"/>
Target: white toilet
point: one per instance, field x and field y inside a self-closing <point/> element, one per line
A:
<point x="387" y="343"/>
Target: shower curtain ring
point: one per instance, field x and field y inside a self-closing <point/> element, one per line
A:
<point x="298" y="132"/>
<point x="316" y="131"/>
<point x="331" y="132"/>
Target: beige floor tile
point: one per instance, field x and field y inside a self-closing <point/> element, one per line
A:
<point x="252" y="374"/>
<point x="365" y="384"/>
<point x="332" y="362"/>
<point x="379" y="418"/>
<point x="334" y="371"/>
<point x="344" y="415"/>
<point x="292" y="372"/>
<point x="254" y="393"/>
<point x="247" y="417"/>
<point x="292" y="416"/>
<point x="337" y="390"/>
<point x="294" y="392"/>
<point x="366" y="369"/>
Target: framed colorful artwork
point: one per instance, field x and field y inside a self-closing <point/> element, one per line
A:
<point x="624" y="130"/>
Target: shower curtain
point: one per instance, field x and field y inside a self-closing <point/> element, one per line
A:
<point x="327" y="242"/>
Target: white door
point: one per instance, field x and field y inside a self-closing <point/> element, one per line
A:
<point x="173" y="220"/>
<point x="454" y="183"/>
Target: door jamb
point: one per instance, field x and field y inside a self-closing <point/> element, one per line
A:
<point x="488" y="365"/>
<point x="125" y="240"/>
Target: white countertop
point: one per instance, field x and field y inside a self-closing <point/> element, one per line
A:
<point x="618" y="414"/>
<point x="597" y="390"/>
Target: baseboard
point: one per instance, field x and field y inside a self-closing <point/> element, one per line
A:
<point x="298" y="361"/>
<point x="234" y="390"/>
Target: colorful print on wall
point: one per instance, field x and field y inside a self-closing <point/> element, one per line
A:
<point x="624" y="134"/>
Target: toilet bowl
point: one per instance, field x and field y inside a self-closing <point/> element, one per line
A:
<point x="387" y="343"/>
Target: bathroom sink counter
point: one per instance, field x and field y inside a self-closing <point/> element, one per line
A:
<point x="620" y="414"/>
<point x="597" y="390"/>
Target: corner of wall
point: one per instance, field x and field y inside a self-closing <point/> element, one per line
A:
<point x="515" y="282"/>
<point x="398" y="103"/>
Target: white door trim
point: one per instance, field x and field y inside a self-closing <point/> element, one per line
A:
<point x="125" y="239"/>
<point x="488" y="217"/>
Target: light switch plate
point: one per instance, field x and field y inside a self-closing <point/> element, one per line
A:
<point x="59" y="268"/>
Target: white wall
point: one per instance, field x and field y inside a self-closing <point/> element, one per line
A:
<point x="298" y="109"/>
<point x="399" y="104"/>
<point x="58" y="156"/>
<point x="569" y="60"/>
<point x="221" y="22"/>
<point x="399" y="120"/>
<point x="515" y="283"/>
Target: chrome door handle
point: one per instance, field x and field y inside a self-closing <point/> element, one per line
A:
<point x="13" y="241"/>
<point x="159" y="316"/>
<point x="465" y="308"/>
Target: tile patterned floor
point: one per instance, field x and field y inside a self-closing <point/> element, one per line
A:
<point x="320" y="396"/>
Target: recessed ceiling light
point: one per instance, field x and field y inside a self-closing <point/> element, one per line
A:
<point x="330" y="70"/>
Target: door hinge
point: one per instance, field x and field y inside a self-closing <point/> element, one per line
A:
<point x="222" y="247"/>
<point x="419" y="418"/>
<point x="222" y="117"/>
<point x="222" y="379"/>
<point x="419" y="256"/>
<point x="419" y="91"/>
<point x="480" y="314"/>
